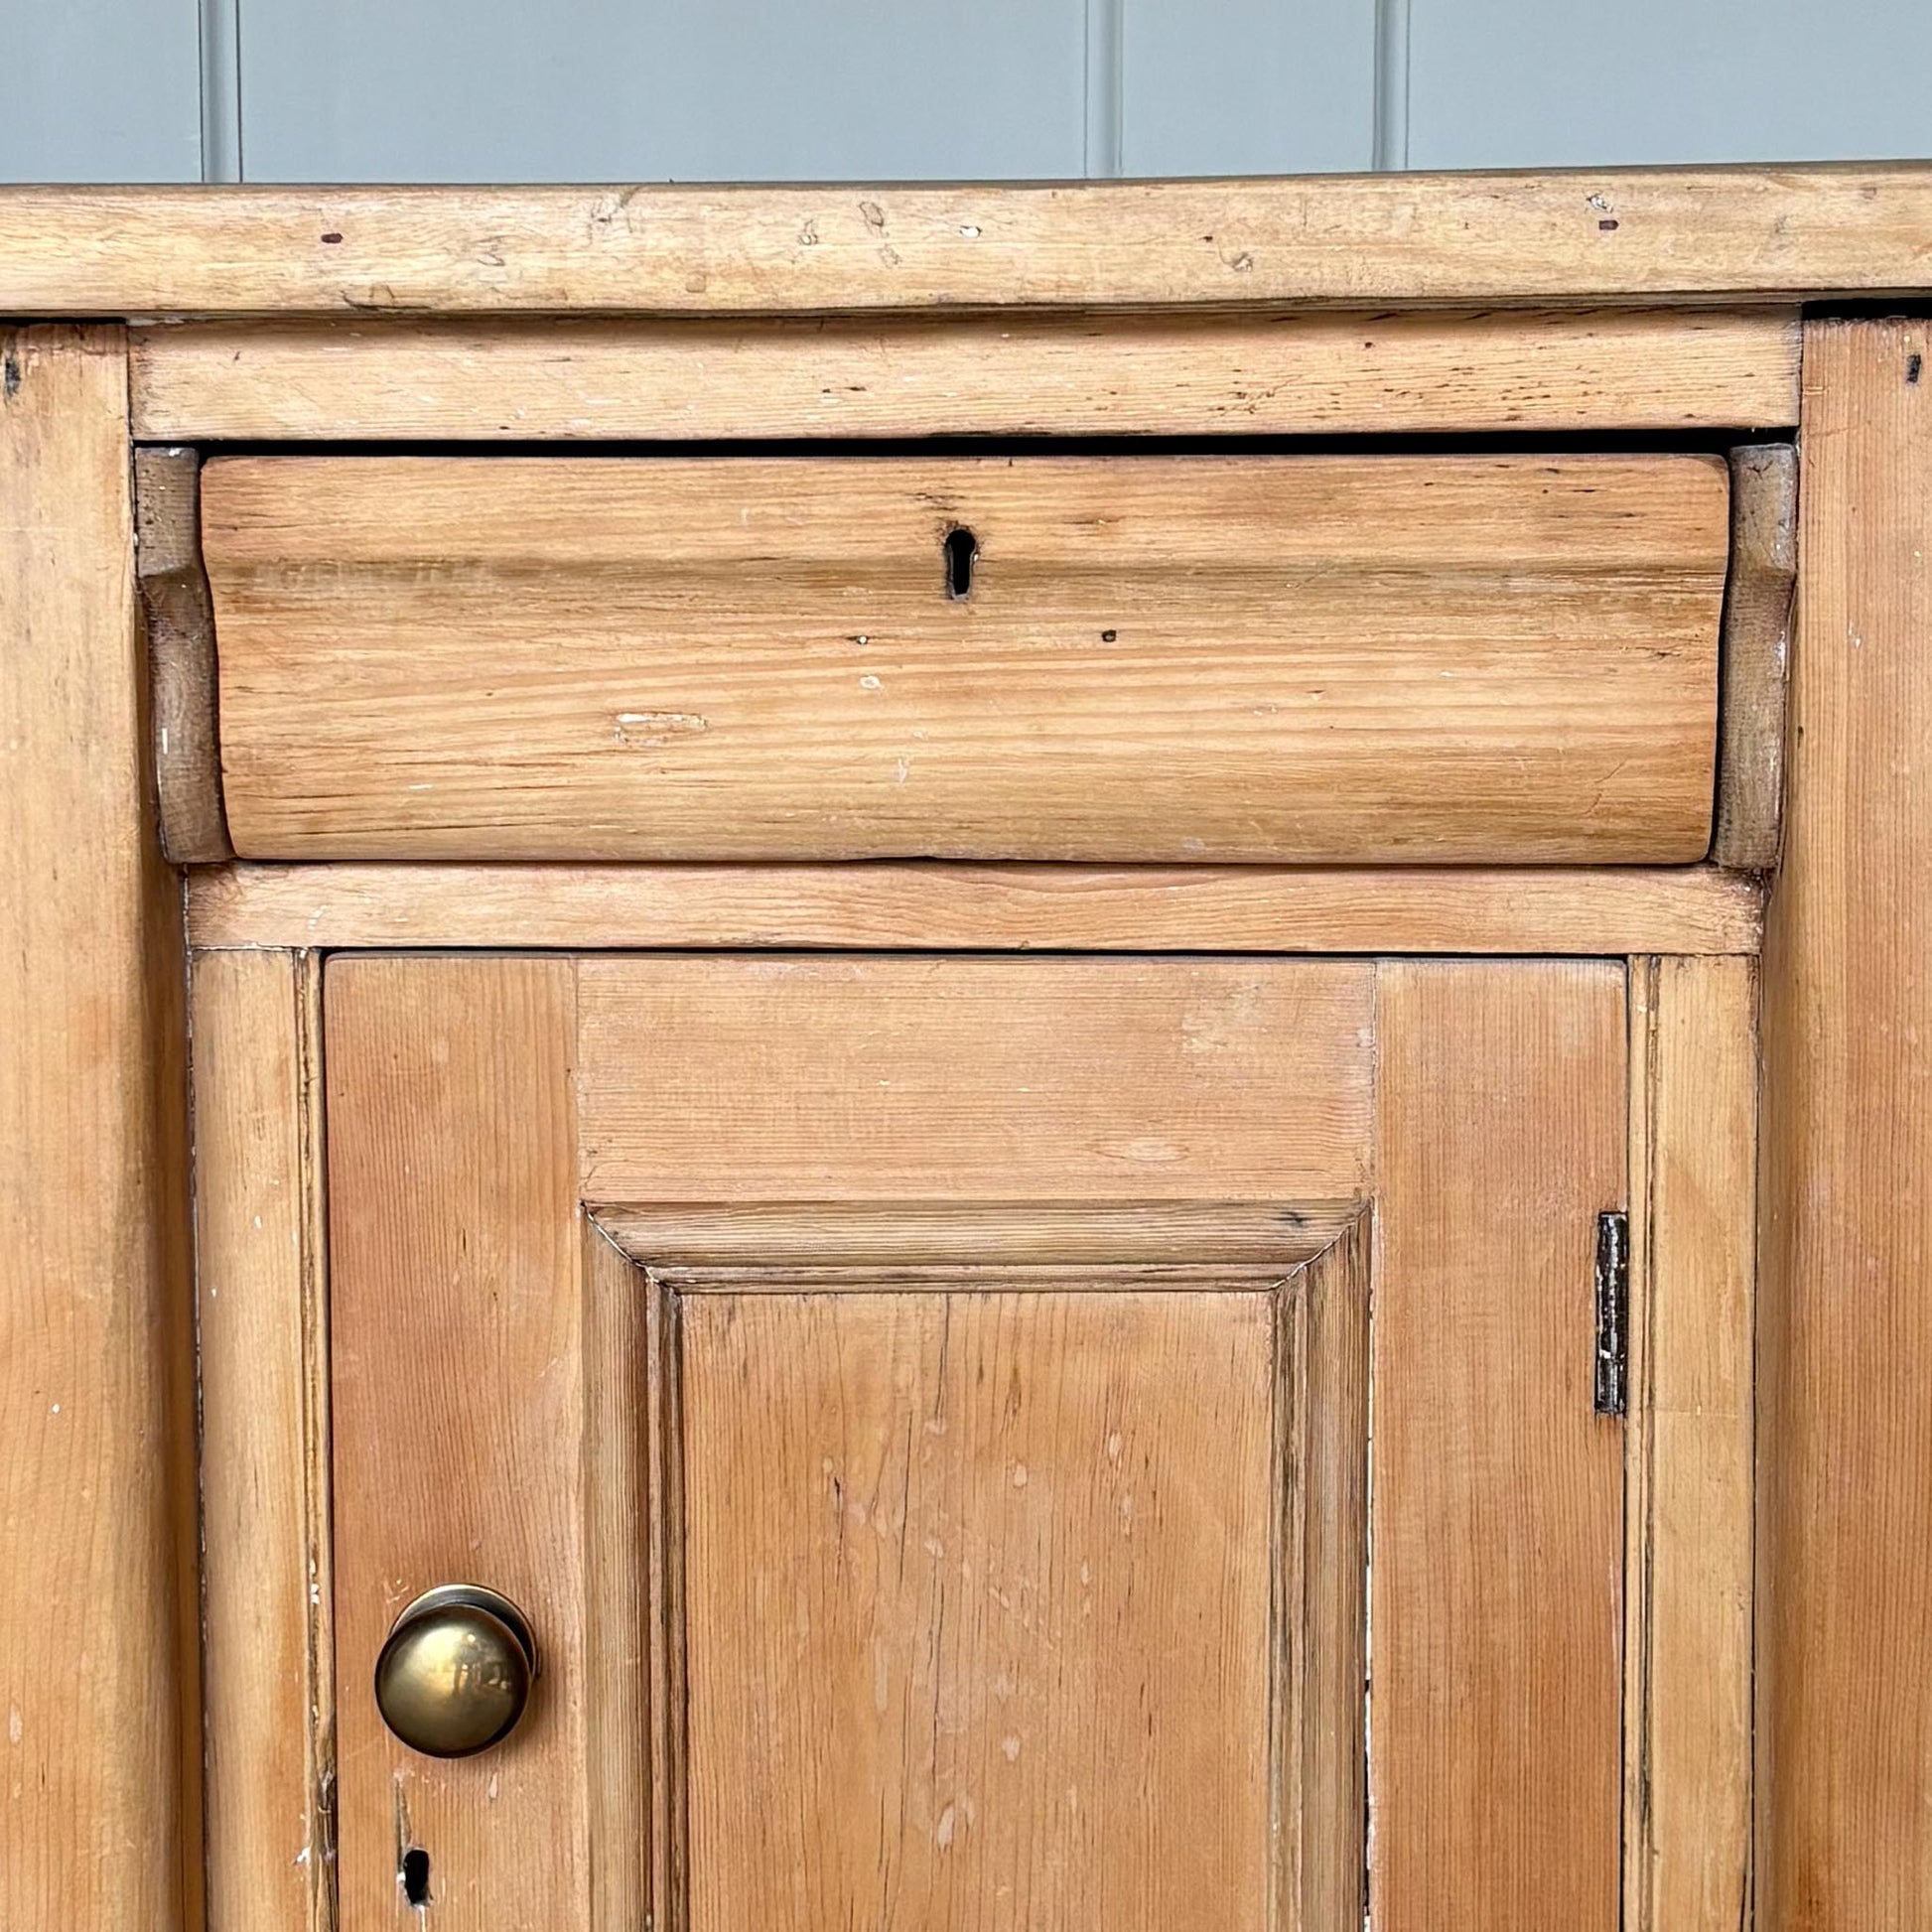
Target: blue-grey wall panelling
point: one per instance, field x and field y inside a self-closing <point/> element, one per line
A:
<point x="103" y="90"/>
<point x="660" y="90"/>
<point x="1247" y="86"/>
<point x="1514" y="84"/>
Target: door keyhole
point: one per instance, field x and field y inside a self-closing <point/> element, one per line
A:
<point x="415" y="1876"/>
<point x="962" y="552"/>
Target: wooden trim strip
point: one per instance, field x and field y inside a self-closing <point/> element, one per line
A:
<point x="1002" y="1236"/>
<point x="268" y="1595"/>
<point x="1689" y="1445"/>
<point x="1753" y="655"/>
<point x="984" y="375"/>
<point x="1359" y="241"/>
<point x="1321" y="1749"/>
<point x="942" y="907"/>
<point x="180" y="617"/>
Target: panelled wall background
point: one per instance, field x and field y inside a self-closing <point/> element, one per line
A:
<point x="456" y="90"/>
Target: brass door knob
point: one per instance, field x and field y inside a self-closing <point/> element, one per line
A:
<point x="456" y="1671"/>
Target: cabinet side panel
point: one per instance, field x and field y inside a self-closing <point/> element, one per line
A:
<point x="98" y="1800"/>
<point x="1846" y="1696"/>
<point x="1497" y="1493"/>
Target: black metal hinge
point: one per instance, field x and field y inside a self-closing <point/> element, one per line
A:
<point x="1613" y="1313"/>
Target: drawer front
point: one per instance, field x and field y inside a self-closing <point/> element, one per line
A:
<point x="1323" y="658"/>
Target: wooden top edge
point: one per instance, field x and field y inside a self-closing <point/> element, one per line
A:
<point x="1549" y="237"/>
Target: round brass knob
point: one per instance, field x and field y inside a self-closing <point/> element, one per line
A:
<point x="456" y="1671"/>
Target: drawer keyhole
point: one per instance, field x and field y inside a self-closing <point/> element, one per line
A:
<point x="962" y="552"/>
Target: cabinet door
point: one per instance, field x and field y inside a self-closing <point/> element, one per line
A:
<point x="921" y="1408"/>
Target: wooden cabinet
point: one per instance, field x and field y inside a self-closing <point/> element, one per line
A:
<point x="966" y="1123"/>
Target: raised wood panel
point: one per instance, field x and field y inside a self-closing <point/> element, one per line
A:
<point x="1497" y="1581"/>
<point x="1845" y="1710"/>
<point x="971" y="374"/>
<point x="938" y="907"/>
<point x="978" y="1607"/>
<point x="774" y="1079"/>
<point x="793" y="1350"/>
<point x="267" y="1552"/>
<point x="1326" y="658"/>
<point x="99" y="1758"/>
<point x="1360" y="242"/>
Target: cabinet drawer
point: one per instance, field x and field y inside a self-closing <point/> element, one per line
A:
<point x="1299" y="659"/>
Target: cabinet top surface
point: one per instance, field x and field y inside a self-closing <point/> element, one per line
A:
<point x="1547" y="238"/>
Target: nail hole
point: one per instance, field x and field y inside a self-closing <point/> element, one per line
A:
<point x="415" y="1875"/>
<point x="962" y="552"/>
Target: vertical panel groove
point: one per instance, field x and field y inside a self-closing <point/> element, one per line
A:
<point x="1104" y="87"/>
<point x="1391" y="141"/>
<point x="220" y="63"/>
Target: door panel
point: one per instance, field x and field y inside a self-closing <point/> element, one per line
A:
<point x="923" y="1406"/>
<point x="978" y="1608"/>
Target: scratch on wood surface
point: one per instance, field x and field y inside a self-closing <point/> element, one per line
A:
<point x="657" y="727"/>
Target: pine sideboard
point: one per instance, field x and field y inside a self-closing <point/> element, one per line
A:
<point x="947" y="1058"/>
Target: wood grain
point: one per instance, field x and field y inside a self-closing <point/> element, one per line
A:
<point x="1009" y="1667"/>
<point x="1844" y="1695"/>
<point x="99" y="1776"/>
<point x="1342" y="659"/>
<point x="179" y="622"/>
<point x="1690" y="1446"/>
<point x="1496" y="1701"/>
<point x="934" y="907"/>
<point x="774" y="1079"/>
<point x="1755" y="649"/>
<point x="1170" y="374"/>
<point x="458" y="1286"/>
<point x="1364" y="241"/>
<point x="267" y="1554"/>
